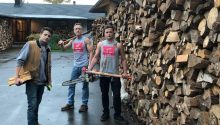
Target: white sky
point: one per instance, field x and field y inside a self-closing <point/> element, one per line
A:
<point x="80" y="2"/>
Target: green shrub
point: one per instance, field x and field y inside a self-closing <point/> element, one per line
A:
<point x="52" y="42"/>
<point x="33" y="36"/>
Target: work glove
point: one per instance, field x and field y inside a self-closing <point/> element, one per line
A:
<point x="49" y="87"/>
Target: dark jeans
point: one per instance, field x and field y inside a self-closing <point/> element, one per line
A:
<point x="116" y="87"/>
<point x="34" y="95"/>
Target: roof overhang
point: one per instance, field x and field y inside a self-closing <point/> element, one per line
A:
<point x="48" y="11"/>
<point x="41" y="16"/>
<point x="100" y="6"/>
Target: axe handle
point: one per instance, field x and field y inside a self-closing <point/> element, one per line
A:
<point x="75" y="37"/>
<point x="104" y="74"/>
<point x="82" y="34"/>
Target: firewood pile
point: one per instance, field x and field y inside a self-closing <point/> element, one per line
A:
<point x="6" y="38"/>
<point x="173" y="51"/>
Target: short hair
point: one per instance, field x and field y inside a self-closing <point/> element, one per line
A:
<point x="77" y="24"/>
<point x="47" y="29"/>
<point x="108" y="26"/>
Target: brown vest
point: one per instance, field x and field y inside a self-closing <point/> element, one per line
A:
<point x="33" y="62"/>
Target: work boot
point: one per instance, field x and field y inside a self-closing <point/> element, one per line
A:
<point x="120" y="120"/>
<point x="67" y="107"/>
<point x="104" y="117"/>
<point x="83" y="108"/>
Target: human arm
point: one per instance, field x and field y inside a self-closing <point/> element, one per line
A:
<point x="96" y="57"/>
<point x="23" y="55"/>
<point x="64" y="46"/>
<point x="123" y="60"/>
<point x="89" y="47"/>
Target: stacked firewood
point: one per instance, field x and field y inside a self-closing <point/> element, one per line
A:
<point x="173" y="51"/>
<point x="6" y="38"/>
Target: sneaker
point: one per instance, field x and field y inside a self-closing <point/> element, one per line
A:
<point x="67" y="107"/>
<point x="104" y="117"/>
<point x="120" y="120"/>
<point x="83" y="108"/>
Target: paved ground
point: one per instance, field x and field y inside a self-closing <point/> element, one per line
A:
<point x="14" y="103"/>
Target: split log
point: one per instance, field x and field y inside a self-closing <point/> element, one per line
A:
<point x="192" y="4"/>
<point x="146" y="43"/>
<point x="204" y="53"/>
<point x="192" y="101"/>
<point x="173" y="37"/>
<point x="203" y="7"/>
<point x="214" y="69"/>
<point x="204" y="77"/>
<point x="182" y="58"/>
<point x="139" y="75"/>
<point x="204" y="118"/>
<point x="207" y="43"/>
<point x="192" y="90"/>
<point x="202" y="28"/>
<point x="194" y="35"/>
<point x="176" y="15"/>
<point x="176" y="26"/>
<point x="218" y="82"/>
<point x="207" y="100"/>
<point x="178" y="76"/>
<point x="213" y="119"/>
<point x="195" y="113"/>
<point x="170" y="55"/>
<point x="159" y="25"/>
<point x="217" y="3"/>
<point x="197" y="62"/>
<point x="212" y="17"/>
<point x="183" y="118"/>
<point x="215" y="90"/>
<point x="158" y="80"/>
<point x="215" y="109"/>
<point x="180" y="2"/>
<point x="192" y="75"/>
<point x="179" y="91"/>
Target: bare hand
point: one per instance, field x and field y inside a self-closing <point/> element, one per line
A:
<point x="61" y="42"/>
<point x="18" y="81"/>
<point x="126" y="76"/>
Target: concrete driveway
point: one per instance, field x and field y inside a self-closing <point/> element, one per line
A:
<point x="14" y="103"/>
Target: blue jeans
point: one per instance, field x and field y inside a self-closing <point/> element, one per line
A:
<point x="34" y="96"/>
<point x="76" y="72"/>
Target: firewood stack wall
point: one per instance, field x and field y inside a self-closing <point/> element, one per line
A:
<point x="173" y="51"/>
<point x="6" y="38"/>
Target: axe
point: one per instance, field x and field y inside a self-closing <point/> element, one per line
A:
<point x="106" y="74"/>
<point x="67" y="40"/>
<point x="87" y="77"/>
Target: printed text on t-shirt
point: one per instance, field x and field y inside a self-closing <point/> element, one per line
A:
<point x="109" y="50"/>
<point x="78" y="47"/>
